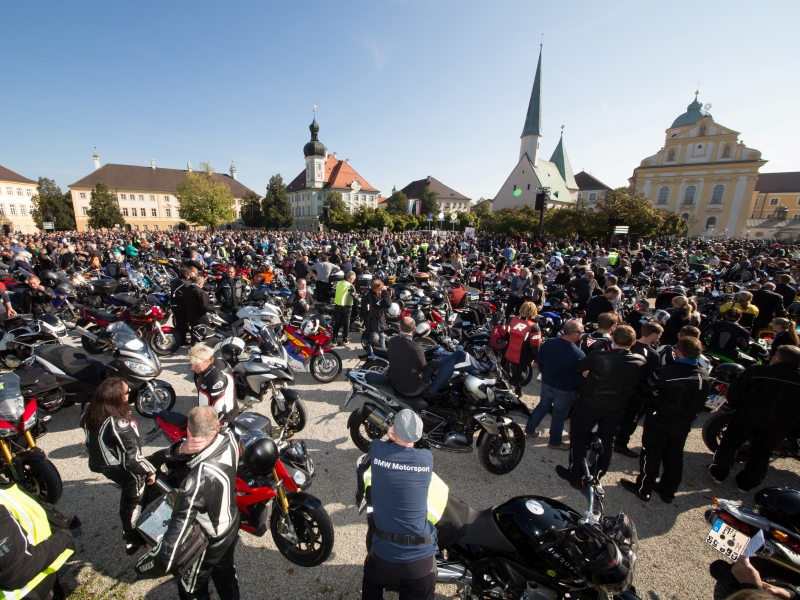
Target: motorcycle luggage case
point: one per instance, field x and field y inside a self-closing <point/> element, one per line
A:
<point x="105" y="286"/>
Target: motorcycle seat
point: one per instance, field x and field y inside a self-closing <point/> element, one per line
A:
<point x="125" y="299"/>
<point x="478" y="338"/>
<point x="227" y="317"/>
<point x="481" y="529"/>
<point x="384" y="384"/>
<point x="173" y="418"/>
<point x="72" y="361"/>
<point x="381" y="352"/>
<point x="101" y="315"/>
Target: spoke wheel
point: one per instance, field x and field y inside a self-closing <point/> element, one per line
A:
<point x="501" y="456"/>
<point x="314" y="532"/>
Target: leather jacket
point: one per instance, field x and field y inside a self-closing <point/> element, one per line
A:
<point x="116" y="448"/>
<point x="230" y="292"/>
<point x="613" y="376"/>
<point x="682" y="392"/>
<point x="196" y="302"/>
<point x="215" y="388"/>
<point x="767" y="396"/>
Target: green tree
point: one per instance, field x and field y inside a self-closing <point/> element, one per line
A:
<point x="371" y="218"/>
<point x="49" y="201"/>
<point x="341" y="220"/>
<point x="205" y="200"/>
<point x="633" y="208"/>
<point x="674" y="224"/>
<point x="464" y="220"/>
<point x="574" y="220"/>
<point x="397" y="204"/>
<point x="275" y="206"/>
<point x="104" y="209"/>
<point x="251" y="210"/>
<point x="429" y="203"/>
<point x="482" y="207"/>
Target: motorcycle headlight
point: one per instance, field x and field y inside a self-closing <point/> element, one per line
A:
<point x="139" y="368"/>
<point x="29" y="422"/>
<point x="299" y="478"/>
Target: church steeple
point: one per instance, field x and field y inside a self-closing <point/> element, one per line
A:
<point x="561" y="161"/>
<point x="532" y="131"/>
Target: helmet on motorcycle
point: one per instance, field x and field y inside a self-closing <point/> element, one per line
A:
<point x="424" y="302"/>
<point x="231" y="348"/>
<point x="436" y="297"/>
<point x="661" y="317"/>
<point x="48" y="278"/>
<point x="642" y="305"/>
<point x="310" y="326"/>
<point x="140" y="309"/>
<point x="781" y="505"/>
<point x="261" y="455"/>
<point x="727" y="372"/>
<point x="370" y="339"/>
<point x="422" y="330"/>
<point x="479" y="389"/>
<point x="405" y="296"/>
<point x="418" y="316"/>
<point x="649" y="269"/>
<point x="393" y="310"/>
<point x="678" y="289"/>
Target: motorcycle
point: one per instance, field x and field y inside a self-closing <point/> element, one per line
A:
<point x="24" y="333"/>
<point x="143" y="317"/>
<point x="450" y="418"/>
<point x="311" y="353"/>
<point x="774" y="519"/>
<point x="132" y="360"/>
<point x="24" y="461"/>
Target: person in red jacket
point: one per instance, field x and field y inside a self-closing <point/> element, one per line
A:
<point x="523" y="338"/>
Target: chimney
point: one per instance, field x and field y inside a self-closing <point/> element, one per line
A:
<point x="429" y="178"/>
<point x="233" y="171"/>
<point x="189" y="167"/>
<point x="96" y="159"/>
<point x="153" y="163"/>
<point x="347" y="160"/>
<point x="334" y="154"/>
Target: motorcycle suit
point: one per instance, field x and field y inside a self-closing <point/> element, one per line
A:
<point x="215" y="388"/>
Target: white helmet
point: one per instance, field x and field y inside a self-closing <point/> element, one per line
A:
<point x="310" y="326"/>
<point x="479" y="389"/>
<point x="422" y="329"/>
<point x="231" y="348"/>
<point x="405" y="296"/>
<point x="661" y="317"/>
<point x="394" y="310"/>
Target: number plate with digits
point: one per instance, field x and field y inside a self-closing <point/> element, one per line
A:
<point x="726" y="540"/>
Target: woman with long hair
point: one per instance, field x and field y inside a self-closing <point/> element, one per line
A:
<point x="523" y="338"/>
<point x="785" y="334"/>
<point x="682" y="315"/>
<point x="537" y="291"/>
<point x="112" y="440"/>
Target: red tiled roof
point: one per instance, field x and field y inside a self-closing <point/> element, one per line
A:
<point x="774" y="183"/>
<point x="338" y="175"/>
<point x="443" y="193"/>
<point x="8" y="175"/>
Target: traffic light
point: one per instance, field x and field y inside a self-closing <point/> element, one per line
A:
<point x="541" y="198"/>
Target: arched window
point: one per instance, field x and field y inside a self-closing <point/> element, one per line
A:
<point x="703" y="131"/>
<point x="685" y="216"/>
<point x="711" y="222"/>
<point x="726" y="152"/>
<point x="663" y="195"/>
<point x="717" y="193"/>
<point x="671" y="156"/>
<point x="688" y="194"/>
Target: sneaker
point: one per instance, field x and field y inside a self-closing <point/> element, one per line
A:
<point x="714" y="479"/>
<point x="631" y="487"/>
<point x="533" y="434"/>
<point x="132" y="548"/>
<point x="565" y="474"/>
<point x="625" y="451"/>
<point x="741" y="489"/>
<point x="561" y="446"/>
<point x="664" y="498"/>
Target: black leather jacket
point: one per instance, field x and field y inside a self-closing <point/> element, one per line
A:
<point x="613" y="376"/>
<point x="38" y="302"/>
<point x="682" y="392"/>
<point x="230" y="292"/>
<point x="116" y="448"/>
<point x="767" y="396"/>
<point x="196" y="302"/>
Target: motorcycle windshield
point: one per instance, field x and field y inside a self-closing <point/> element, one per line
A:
<point x="12" y="404"/>
<point x="269" y="342"/>
<point x="126" y="339"/>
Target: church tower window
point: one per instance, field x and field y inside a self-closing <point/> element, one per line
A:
<point x="703" y="131"/>
<point x="671" y="156"/>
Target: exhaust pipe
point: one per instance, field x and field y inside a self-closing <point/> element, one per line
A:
<point x="377" y="418"/>
<point x="87" y="333"/>
<point x="453" y="573"/>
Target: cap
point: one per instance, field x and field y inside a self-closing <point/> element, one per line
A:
<point x="407" y="426"/>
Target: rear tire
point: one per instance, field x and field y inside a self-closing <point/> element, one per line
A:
<point x="90" y="345"/>
<point x="42" y="479"/>
<point x="714" y="427"/>
<point x="363" y="432"/>
<point x="492" y="455"/>
<point x="325" y="367"/>
<point x="375" y="367"/>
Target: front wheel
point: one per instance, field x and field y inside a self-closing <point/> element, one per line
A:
<point x="325" y="367"/>
<point x="42" y="479"/>
<point x="91" y="346"/>
<point x="501" y="456"/>
<point x="314" y="532"/>
<point x="160" y="397"/>
<point x="164" y="343"/>
<point x="293" y="417"/>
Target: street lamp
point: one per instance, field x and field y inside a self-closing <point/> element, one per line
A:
<point x="441" y="218"/>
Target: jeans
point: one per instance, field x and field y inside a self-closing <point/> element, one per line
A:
<point x="561" y="401"/>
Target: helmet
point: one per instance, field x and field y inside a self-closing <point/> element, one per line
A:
<point x="436" y="297"/>
<point x="48" y="278"/>
<point x="370" y="339"/>
<point x="727" y="372"/>
<point x="231" y="348"/>
<point x="649" y="269"/>
<point x="479" y="389"/>
<point x="338" y="276"/>
<point x="394" y="310"/>
<point x="140" y="309"/>
<point x="678" y="289"/>
<point x="418" y="316"/>
<point x="261" y="455"/>
<point x="781" y="505"/>
<point x="661" y="317"/>
<point x="793" y="310"/>
<point x="642" y="305"/>
<point x="310" y="326"/>
<point x="405" y="295"/>
<point x="422" y="330"/>
<point x="424" y="302"/>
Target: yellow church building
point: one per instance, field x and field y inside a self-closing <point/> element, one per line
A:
<point x="704" y="172"/>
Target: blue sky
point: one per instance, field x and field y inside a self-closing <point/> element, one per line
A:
<point x="405" y="89"/>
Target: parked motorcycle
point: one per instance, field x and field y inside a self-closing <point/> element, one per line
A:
<point x="307" y="350"/>
<point x="23" y="461"/>
<point x="24" y="333"/>
<point x="144" y="318"/>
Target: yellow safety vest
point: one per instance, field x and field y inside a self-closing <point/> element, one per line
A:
<point x="32" y="519"/>
<point x="438" y="493"/>
<point x="342" y="289"/>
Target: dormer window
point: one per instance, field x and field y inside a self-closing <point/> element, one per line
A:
<point x="671" y="156"/>
<point x="703" y="131"/>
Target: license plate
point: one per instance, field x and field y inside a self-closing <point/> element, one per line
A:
<point x="715" y="401"/>
<point x="726" y="540"/>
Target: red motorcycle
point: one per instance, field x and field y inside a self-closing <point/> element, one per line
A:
<point x="142" y="318"/>
<point x="308" y="349"/>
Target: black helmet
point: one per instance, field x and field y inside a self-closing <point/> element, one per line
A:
<point x="678" y="289"/>
<point x="370" y="339"/>
<point x="727" y="372"/>
<point x="418" y="316"/>
<point x="781" y="505"/>
<point x="338" y="276"/>
<point x="793" y="310"/>
<point x="48" y="278"/>
<point x="424" y="302"/>
<point x="436" y="297"/>
<point x="261" y="455"/>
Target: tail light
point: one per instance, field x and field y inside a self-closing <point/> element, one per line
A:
<point x="723" y="388"/>
<point x="436" y="316"/>
<point x="732" y="521"/>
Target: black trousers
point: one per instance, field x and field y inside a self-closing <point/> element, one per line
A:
<point x="221" y="571"/>
<point x="131" y="501"/>
<point x="341" y="320"/>
<point x="662" y="446"/>
<point x="413" y="581"/>
<point x="516" y="375"/>
<point x="762" y="443"/>
<point x="181" y="324"/>
<point x="323" y="291"/>
<point x="630" y="419"/>
<point x="582" y="420"/>
<point x="513" y="304"/>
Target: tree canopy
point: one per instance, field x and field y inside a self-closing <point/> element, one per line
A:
<point x="482" y="207"/>
<point x="50" y="202"/>
<point x="204" y="200"/>
<point x="275" y="207"/>
<point x="251" y="210"/>
<point x="341" y="220"/>
<point x="397" y="204"/>
<point x="104" y="209"/>
<point x="429" y="203"/>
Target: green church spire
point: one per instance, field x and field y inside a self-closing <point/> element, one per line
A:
<point x="533" y="121"/>
<point x="561" y="161"/>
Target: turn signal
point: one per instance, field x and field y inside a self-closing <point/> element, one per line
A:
<point x="715" y="501"/>
<point x="779" y="535"/>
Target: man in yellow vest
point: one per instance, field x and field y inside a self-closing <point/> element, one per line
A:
<point x="343" y="299"/>
<point x="31" y="551"/>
